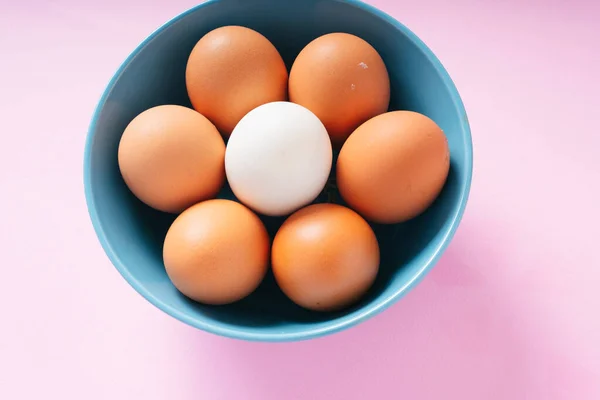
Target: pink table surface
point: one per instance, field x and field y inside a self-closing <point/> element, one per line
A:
<point x="512" y="311"/>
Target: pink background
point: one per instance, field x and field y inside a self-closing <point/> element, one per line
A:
<point x="512" y="311"/>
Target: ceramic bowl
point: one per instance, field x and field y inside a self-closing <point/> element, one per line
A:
<point x="132" y="234"/>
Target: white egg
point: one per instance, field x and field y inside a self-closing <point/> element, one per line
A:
<point x="278" y="158"/>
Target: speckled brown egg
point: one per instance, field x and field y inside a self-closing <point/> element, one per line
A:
<point x="393" y="166"/>
<point x="216" y="252"/>
<point x="171" y="157"/>
<point x="325" y="257"/>
<point x="343" y="80"/>
<point x="231" y="71"/>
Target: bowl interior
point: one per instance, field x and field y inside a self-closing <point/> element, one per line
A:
<point x="132" y="234"/>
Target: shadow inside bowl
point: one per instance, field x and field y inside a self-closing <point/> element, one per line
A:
<point x="133" y="234"/>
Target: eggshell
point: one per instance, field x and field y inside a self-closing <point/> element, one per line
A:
<point x="343" y="80"/>
<point x="232" y="70"/>
<point x="325" y="257"/>
<point x="278" y="158"/>
<point x="216" y="252"/>
<point x="393" y="166"/>
<point x="172" y="157"/>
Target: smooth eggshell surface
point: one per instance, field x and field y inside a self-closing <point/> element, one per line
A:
<point x="393" y="166"/>
<point x="232" y="70"/>
<point x="172" y="157"/>
<point x="343" y="80"/>
<point x="325" y="257"/>
<point x="216" y="252"/>
<point x="278" y="158"/>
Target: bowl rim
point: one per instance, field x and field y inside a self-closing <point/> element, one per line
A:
<point x="341" y="323"/>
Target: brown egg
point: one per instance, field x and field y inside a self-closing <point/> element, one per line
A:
<point x="342" y="79"/>
<point x="393" y="166"/>
<point x="172" y="157"/>
<point x="231" y="71"/>
<point x="325" y="257"/>
<point x="216" y="252"/>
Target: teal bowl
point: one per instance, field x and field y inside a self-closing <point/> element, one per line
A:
<point x="132" y="234"/>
